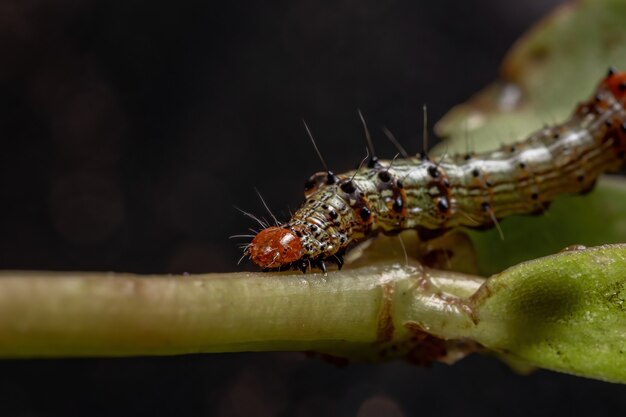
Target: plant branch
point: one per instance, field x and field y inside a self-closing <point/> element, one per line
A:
<point x="45" y="314"/>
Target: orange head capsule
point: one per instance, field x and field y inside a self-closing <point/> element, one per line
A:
<point x="274" y="247"/>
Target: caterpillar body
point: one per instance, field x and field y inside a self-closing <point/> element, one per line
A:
<point x="433" y="196"/>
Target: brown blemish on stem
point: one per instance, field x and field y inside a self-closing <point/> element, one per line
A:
<point x="478" y="298"/>
<point x="384" y="332"/>
<point x="426" y="348"/>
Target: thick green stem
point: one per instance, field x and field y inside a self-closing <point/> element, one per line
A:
<point x="92" y="314"/>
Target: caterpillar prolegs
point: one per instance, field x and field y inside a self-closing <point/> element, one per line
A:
<point x="472" y="190"/>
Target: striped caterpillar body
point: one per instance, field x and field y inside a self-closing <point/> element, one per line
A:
<point x="473" y="190"/>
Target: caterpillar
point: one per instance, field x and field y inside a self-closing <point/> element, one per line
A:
<point x="471" y="190"/>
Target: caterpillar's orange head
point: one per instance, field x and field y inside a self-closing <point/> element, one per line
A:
<point x="274" y="247"/>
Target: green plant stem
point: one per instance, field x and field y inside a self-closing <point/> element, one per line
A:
<point x="48" y="314"/>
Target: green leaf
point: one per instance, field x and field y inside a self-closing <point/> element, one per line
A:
<point x="566" y="312"/>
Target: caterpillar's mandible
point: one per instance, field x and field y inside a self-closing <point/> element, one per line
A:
<point x="471" y="190"/>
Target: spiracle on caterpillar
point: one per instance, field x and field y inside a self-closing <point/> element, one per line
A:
<point x="472" y="190"/>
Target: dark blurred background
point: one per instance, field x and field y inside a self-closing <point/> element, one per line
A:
<point x="130" y="129"/>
